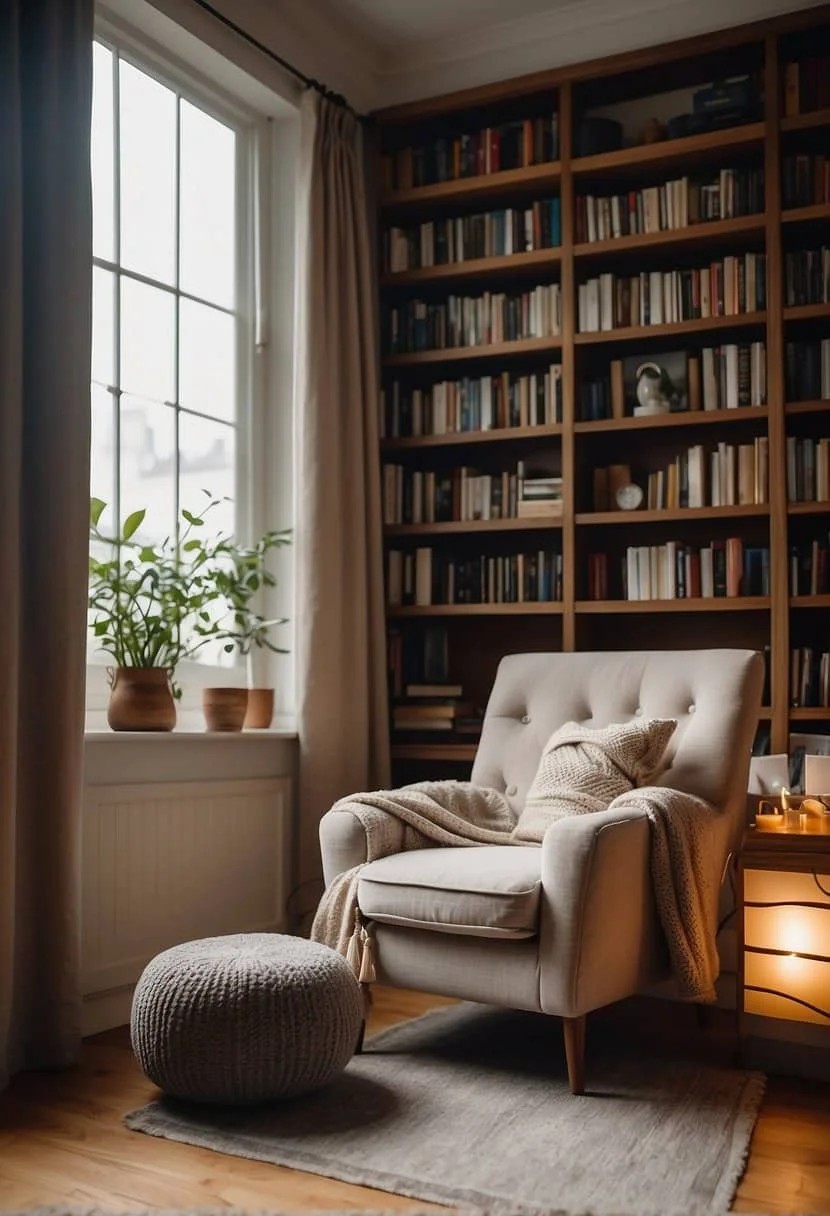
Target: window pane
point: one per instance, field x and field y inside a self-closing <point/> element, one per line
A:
<point x="208" y="207"/>
<point x="102" y="155"/>
<point x="103" y="326"/>
<point x="207" y="354"/>
<point x="207" y="461"/>
<point x="102" y="453"/>
<point x="148" y="465"/>
<point x="148" y="175"/>
<point x="147" y="341"/>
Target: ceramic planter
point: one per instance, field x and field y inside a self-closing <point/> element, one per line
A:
<point x="224" y="708"/>
<point x="260" y="708"/>
<point x="141" y="699"/>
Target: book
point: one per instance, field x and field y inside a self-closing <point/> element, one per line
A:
<point x="487" y="319"/>
<point x="434" y="690"/>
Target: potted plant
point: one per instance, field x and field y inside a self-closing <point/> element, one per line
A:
<point x="241" y="575"/>
<point x="150" y="608"/>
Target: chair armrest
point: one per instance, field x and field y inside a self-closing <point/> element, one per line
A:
<point x="343" y="841"/>
<point x="600" y="939"/>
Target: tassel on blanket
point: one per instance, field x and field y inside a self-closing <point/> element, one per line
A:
<point x="367" y="973"/>
<point x="360" y="953"/>
<point x="354" y="950"/>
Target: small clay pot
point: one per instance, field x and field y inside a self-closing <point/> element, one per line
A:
<point x="141" y="699"/>
<point x="260" y="708"/>
<point x="224" y="708"/>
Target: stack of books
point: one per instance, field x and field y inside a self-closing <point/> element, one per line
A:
<point x="675" y="204"/>
<point x="511" y="145"/>
<point x="806" y="179"/>
<point x="807" y="276"/>
<point x="540" y="496"/>
<point x="809" y="678"/>
<point x="473" y="320"/>
<point x="675" y="571"/>
<point x="806" y="85"/>
<point x="807" y="370"/>
<point x="428" y="577"/>
<point x="729" y="287"/>
<point x="808" y="470"/>
<point x="810" y="568"/>
<point x="428" y="708"/>
<point x="722" y="477"/>
<point x="472" y="404"/>
<point x="416" y="496"/>
<point x="463" y="238"/>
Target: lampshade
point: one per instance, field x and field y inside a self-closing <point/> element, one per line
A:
<point x="787" y="945"/>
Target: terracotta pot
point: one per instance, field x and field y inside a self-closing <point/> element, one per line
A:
<point x="141" y="699"/>
<point x="260" y="708"/>
<point x="224" y="708"/>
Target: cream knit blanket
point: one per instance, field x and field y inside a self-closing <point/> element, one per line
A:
<point x="459" y="814"/>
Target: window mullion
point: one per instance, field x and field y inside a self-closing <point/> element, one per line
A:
<point x="116" y="312"/>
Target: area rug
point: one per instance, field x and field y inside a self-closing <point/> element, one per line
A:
<point x="469" y="1106"/>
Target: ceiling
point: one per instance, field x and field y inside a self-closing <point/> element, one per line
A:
<point x="396" y="24"/>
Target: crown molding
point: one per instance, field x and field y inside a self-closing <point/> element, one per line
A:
<point x="580" y="30"/>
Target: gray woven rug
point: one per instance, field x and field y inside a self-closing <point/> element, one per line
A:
<point x="469" y="1106"/>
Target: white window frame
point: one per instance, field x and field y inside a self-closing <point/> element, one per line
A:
<point x="259" y="439"/>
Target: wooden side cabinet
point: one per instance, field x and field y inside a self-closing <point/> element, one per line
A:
<point x="784" y="927"/>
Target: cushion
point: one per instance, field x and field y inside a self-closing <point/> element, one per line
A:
<point x="492" y="891"/>
<point x="584" y="770"/>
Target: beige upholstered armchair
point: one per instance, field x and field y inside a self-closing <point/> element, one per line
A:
<point x="571" y="926"/>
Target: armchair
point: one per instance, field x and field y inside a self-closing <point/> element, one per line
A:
<point x="569" y="927"/>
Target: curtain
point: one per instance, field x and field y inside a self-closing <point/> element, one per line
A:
<point x="45" y="282"/>
<point x="341" y="649"/>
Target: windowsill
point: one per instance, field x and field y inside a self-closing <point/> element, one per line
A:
<point x="97" y="731"/>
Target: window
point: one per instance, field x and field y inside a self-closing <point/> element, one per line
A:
<point x="170" y="368"/>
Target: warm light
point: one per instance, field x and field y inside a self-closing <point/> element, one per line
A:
<point x="787" y="959"/>
<point x="785" y="798"/>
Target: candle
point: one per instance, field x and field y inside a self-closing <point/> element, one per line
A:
<point x="768" y="818"/>
<point x="791" y="814"/>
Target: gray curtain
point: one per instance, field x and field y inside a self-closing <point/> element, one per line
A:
<point x="45" y="282"/>
<point x="341" y="652"/>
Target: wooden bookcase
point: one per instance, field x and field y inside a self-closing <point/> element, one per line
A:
<point x="479" y="634"/>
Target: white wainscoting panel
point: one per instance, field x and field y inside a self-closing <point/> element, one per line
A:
<point x="168" y="862"/>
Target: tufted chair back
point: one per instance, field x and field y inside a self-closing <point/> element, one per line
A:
<point x="715" y="695"/>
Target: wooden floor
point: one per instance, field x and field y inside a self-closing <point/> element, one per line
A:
<point x="62" y="1140"/>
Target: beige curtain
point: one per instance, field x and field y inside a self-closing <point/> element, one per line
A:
<point x="341" y="644"/>
<point x="45" y="273"/>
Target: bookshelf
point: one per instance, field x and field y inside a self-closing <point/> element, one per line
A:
<point x="790" y="151"/>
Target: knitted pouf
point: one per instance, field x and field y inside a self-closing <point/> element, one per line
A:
<point x="245" y="1018"/>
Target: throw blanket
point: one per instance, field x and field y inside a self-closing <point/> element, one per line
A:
<point x="459" y="814"/>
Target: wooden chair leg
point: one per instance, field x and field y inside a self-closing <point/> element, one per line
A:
<point x="358" y="1051"/>
<point x="574" y="1029"/>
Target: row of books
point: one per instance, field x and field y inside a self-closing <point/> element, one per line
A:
<point x="511" y="145"/>
<point x="415" y="496"/>
<point x="462" y="238"/>
<point x="809" y="677"/>
<point x="725" y="288"/>
<point x="806" y="179"/>
<point x="674" y="204"/>
<point x="807" y="370"/>
<point x="806" y="85"/>
<point x="420" y="714"/>
<point x="418" y="325"/>
<point x="808" y="469"/>
<point x="483" y="403"/>
<point x="810" y="568"/>
<point x="418" y="662"/>
<point x="426" y="576"/>
<point x="725" y="476"/>
<point x="676" y="571"/>
<point x="714" y="378"/>
<point x="807" y="276"/>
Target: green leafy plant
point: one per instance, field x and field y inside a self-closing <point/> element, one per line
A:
<point x="241" y="575"/>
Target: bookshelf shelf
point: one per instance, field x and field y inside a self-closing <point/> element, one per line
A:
<point x="808" y="508"/>
<point x="803" y="122"/>
<point x="470" y="648"/>
<point x="484" y="186"/>
<point x="462" y="438"/>
<point x="745" y="603"/>
<point x="711" y="230"/>
<point x="807" y="312"/>
<point x="807" y="407"/>
<point x="495" y="350"/>
<point x="670" y="152"/>
<point x="447" y="752"/>
<point x="473" y="527"/>
<point x="526" y="609"/>
<point x="477" y="268"/>
<point x="668" y="514"/>
<point x="651" y="422"/>
<point x="642" y="333"/>
<point x="765" y="713"/>
<point x="801" y="215"/>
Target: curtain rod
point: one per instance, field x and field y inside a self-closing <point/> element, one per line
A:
<point x="336" y="98"/>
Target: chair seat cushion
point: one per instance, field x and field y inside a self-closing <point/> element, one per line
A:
<point x="492" y="891"/>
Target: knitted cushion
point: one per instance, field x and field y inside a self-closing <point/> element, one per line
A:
<point x="584" y="770"/>
<point x="245" y="1018"/>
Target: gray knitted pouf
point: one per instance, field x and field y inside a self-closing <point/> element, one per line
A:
<point x="245" y="1018"/>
